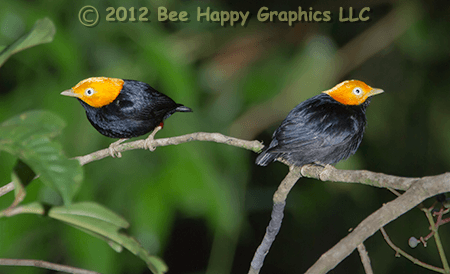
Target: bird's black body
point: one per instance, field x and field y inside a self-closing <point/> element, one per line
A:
<point x="137" y="110"/>
<point x="318" y="130"/>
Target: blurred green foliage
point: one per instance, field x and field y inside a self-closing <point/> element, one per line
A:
<point x="27" y="136"/>
<point x="203" y="207"/>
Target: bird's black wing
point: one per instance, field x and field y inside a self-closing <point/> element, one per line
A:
<point x="139" y="101"/>
<point x="316" y="122"/>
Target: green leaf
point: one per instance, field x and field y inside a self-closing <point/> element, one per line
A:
<point x="42" y="32"/>
<point x="27" y="136"/>
<point x="48" y="125"/>
<point x="117" y="247"/>
<point x="155" y="264"/>
<point x="105" y="224"/>
<point x="91" y="210"/>
<point x="33" y="208"/>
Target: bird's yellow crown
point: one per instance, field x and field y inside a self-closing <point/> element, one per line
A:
<point x="352" y="92"/>
<point x="96" y="91"/>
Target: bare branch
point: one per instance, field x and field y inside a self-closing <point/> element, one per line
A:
<point x="6" y="188"/>
<point x="279" y="202"/>
<point x="406" y="255"/>
<point x="365" y="258"/>
<point x="255" y="146"/>
<point x="286" y="185"/>
<point x="417" y="190"/>
<point x="422" y="189"/>
<point x="271" y="232"/>
<point x="372" y="223"/>
<point x="46" y="265"/>
<point x="437" y="238"/>
<point x="364" y="177"/>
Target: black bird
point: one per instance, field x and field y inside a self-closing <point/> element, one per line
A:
<point x="324" y="129"/>
<point x="124" y="108"/>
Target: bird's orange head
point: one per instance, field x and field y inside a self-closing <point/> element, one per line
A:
<point x="352" y="92"/>
<point x="96" y="91"/>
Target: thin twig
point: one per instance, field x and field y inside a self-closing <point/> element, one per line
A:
<point x="406" y="255"/>
<point x="396" y="193"/>
<point x="10" y="187"/>
<point x="46" y="265"/>
<point x="20" y="195"/>
<point x="417" y="190"/>
<point x="424" y="240"/>
<point x="440" y="221"/>
<point x="444" y="221"/>
<point x="422" y="189"/>
<point x="365" y="258"/>
<point x="279" y="202"/>
<point x="6" y="188"/>
<point x="255" y="146"/>
<point x="333" y="175"/>
<point x="437" y="238"/>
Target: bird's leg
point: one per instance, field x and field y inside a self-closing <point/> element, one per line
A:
<point x="151" y="137"/>
<point x="113" y="148"/>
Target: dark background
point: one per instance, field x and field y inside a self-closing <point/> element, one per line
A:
<point x="203" y="207"/>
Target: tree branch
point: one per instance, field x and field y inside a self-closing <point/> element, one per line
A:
<point x="255" y="146"/>
<point x="6" y="188"/>
<point x="365" y="258"/>
<point x="279" y="202"/>
<point x="46" y="265"/>
<point x="364" y="177"/>
<point x="437" y="238"/>
<point x="422" y="189"/>
<point x="406" y="255"/>
<point x="417" y="190"/>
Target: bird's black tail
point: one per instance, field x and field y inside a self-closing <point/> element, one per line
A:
<point x="181" y="108"/>
<point x="266" y="158"/>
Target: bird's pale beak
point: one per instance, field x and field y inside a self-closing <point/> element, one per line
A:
<point x="70" y="93"/>
<point x="375" y="91"/>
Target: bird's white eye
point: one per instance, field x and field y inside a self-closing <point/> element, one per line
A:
<point x="89" y="91"/>
<point x="357" y="91"/>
